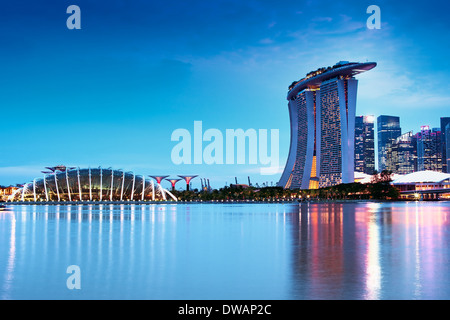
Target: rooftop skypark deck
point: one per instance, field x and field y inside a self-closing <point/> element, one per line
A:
<point x="314" y="78"/>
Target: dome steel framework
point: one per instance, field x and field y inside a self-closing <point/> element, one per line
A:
<point x="91" y="184"/>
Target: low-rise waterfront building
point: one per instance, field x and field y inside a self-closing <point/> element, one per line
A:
<point x="423" y="184"/>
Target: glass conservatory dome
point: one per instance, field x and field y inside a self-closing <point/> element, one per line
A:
<point x="91" y="184"/>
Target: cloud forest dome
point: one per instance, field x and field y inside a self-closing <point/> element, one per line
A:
<point x="91" y="184"/>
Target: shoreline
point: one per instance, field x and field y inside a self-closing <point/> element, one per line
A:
<point x="208" y="202"/>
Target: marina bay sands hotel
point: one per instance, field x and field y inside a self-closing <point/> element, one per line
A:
<point x="322" y="110"/>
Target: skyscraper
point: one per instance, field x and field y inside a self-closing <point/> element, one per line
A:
<point x="429" y="156"/>
<point x="322" y="110"/>
<point x="447" y="146"/>
<point x="388" y="130"/>
<point x="444" y="145"/>
<point x="364" y="144"/>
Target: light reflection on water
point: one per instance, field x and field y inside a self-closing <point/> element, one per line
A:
<point x="373" y="251"/>
<point x="355" y="250"/>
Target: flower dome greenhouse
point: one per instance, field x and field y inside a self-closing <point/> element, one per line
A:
<point x="75" y="184"/>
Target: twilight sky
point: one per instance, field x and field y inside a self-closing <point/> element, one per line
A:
<point x="112" y="93"/>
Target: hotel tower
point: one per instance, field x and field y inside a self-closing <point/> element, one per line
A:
<point x="322" y="110"/>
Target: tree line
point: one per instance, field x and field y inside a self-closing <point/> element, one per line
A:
<point x="379" y="188"/>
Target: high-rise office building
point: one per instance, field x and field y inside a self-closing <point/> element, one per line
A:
<point x="447" y="146"/>
<point x="444" y="145"/>
<point x="388" y="130"/>
<point x="322" y="110"/>
<point x="364" y="144"/>
<point x="401" y="154"/>
<point x="429" y="152"/>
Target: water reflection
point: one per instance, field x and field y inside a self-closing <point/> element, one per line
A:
<point x="219" y="251"/>
<point x="102" y="239"/>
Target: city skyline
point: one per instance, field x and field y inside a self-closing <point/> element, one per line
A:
<point x="202" y="154"/>
<point x="111" y="93"/>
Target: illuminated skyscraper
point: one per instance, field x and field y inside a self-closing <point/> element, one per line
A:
<point x="388" y="130"/>
<point x="322" y="110"/>
<point x="364" y="144"/>
<point x="173" y="182"/>
<point x="447" y="146"/>
<point x="445" y="121"/>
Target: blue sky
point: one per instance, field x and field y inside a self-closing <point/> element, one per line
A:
<point x="112" y="93"/>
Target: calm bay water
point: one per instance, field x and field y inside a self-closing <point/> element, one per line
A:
<point x="363" y="250"/>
